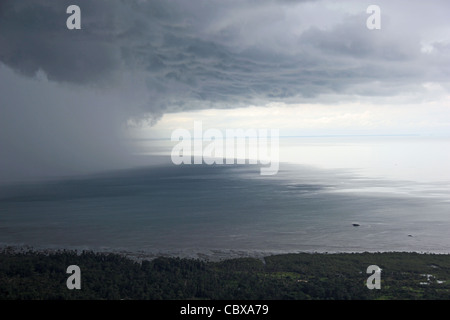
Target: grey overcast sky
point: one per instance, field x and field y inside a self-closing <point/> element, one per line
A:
<point x="67" y="95"/>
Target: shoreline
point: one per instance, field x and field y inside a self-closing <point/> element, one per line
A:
<point x="210" y="255"/>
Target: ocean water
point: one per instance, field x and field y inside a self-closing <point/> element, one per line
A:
<point x="396" y="189"/>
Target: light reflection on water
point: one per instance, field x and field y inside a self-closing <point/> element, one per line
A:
<point x="202" y="208"/>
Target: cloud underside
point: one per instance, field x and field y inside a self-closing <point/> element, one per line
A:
<point x="185" y="55"/>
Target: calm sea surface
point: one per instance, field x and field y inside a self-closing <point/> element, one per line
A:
<point x="397" y="189"/>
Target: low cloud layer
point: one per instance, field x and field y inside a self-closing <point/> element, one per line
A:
<point x="200" y="54"/>
<point x="146" y="58"/>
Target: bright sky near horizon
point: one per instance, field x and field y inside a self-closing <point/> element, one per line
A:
<point x="69" y="99"/>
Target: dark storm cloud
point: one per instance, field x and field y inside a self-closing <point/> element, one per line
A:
<point x="140" y="58"/>
<point x="200" y="54"/>
<point x="34" y="37"/>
